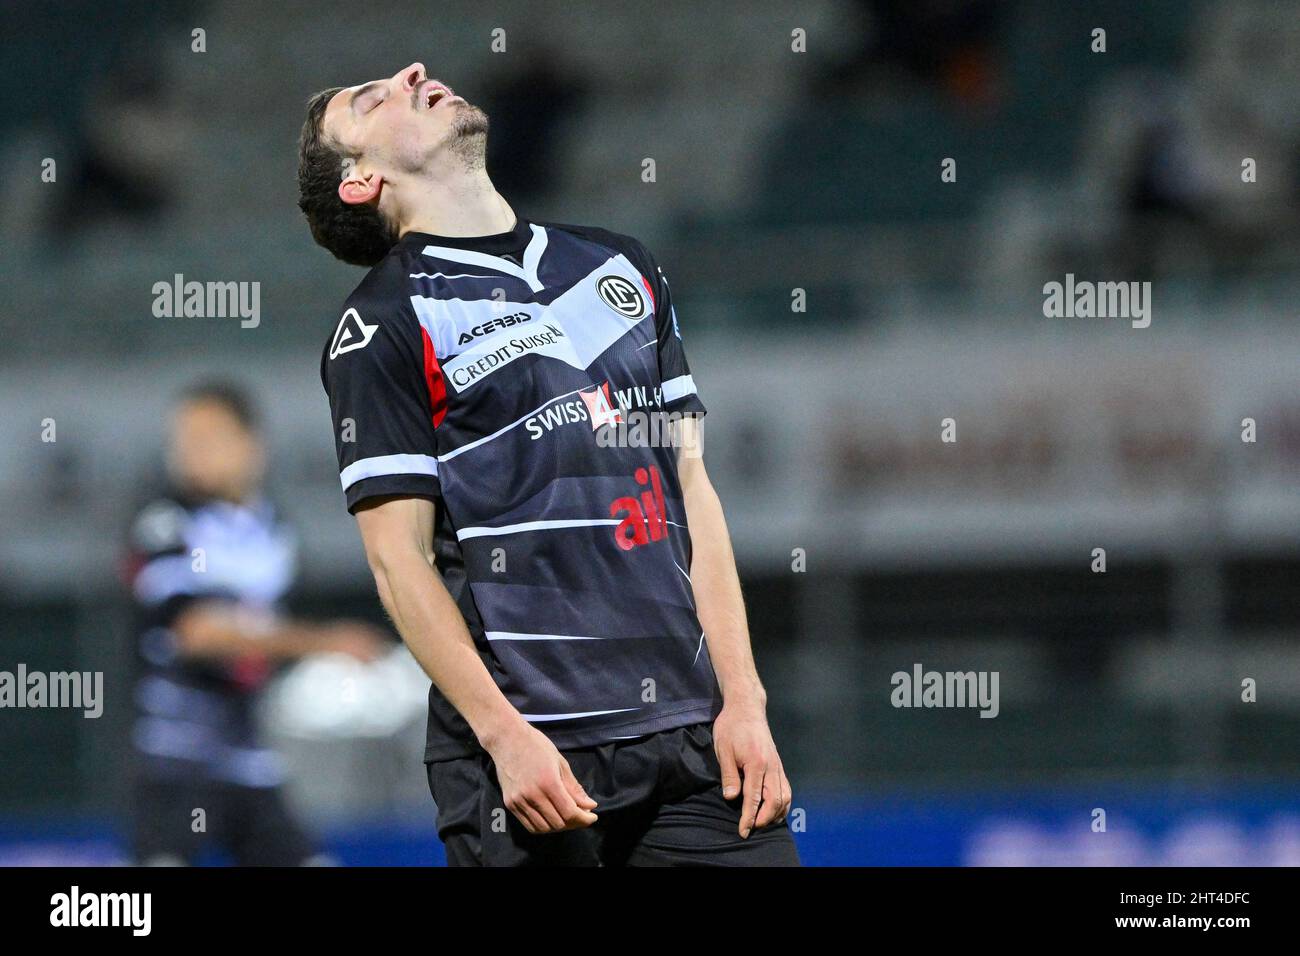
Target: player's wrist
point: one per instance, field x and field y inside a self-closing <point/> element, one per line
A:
<point x="748" y="697"/>
<point x="499" y="730"/>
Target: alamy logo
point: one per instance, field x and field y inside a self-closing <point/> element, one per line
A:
<point x="621" y="296"/>
<point x="351" y="334"/>
<point x="208" y="300"/>
<point x="74" y="908"/>
<point x="1098" y="300"/>
<point x="922" y="688"/>
<point x="78" y="690"/>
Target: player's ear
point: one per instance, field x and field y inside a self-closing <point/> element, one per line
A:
<point x="357" y="188"/>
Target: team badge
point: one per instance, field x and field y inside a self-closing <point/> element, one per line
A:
<point x="621" y="296"/>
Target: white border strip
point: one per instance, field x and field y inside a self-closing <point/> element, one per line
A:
<point x="677" y="387"/>
<point x="464" y="534"/>
<point x="501" y="431"/>
<point x="388" y="465"/>
<point x="517" y="636"/>
<point x="538" y="718"/>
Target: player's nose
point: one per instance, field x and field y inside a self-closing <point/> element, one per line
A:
<point x="411" y="77"/>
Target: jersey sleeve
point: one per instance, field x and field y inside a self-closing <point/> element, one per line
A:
<point x="680" y="394"/>
<point x="374" y="371"/>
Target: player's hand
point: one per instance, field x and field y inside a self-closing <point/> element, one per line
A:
<point x="356" y="639"/>
<point x="537" y="784"/>
<point x="745" y="749"/>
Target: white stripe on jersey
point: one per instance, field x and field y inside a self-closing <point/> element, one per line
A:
<point x="555" y="523"/>
<point x="676" y="388"/>
<point x="537" y="718"/>
<point x="484" y="532"/>
<point x="388" y="465"/>
<point x="515" y="636"/>
<point x="501" y="431"/>
<point x="450" y="275"/>
<point x="533" y="255"/>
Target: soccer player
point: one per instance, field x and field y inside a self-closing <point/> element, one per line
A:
<point x="209" y="562"/>
<point x="571" y="593"/>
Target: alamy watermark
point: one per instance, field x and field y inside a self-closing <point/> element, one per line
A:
<point x="632" y="417"/>
<point x="640" y="429"/>
<point x="83" y="691"/>
<point x="208" y="300"/>
<point x="922" y="688"/>
<point x="1098" y="300"/>
<point x="133" y="911"/>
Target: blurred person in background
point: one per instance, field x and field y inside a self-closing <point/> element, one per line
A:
<point x="586" y="635"/>
<point x="209" y="562"/>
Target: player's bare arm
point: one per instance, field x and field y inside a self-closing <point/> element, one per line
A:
<point x="536" y="782"/>
<point x="746" y="751"/>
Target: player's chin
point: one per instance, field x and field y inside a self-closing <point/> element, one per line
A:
<point x="470" y="120"/>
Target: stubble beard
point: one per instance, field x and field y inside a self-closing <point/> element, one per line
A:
<point x="467" y="140"/>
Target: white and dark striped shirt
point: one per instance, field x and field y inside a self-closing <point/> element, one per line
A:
<point x="487" y="374"/>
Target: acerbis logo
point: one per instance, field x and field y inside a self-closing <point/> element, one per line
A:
<point x="352" y="334"/>
<point x="487" y="328"/>
<point x="621" y="296"/>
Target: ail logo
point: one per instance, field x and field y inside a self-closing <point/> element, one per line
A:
<point x="643" y="520"/>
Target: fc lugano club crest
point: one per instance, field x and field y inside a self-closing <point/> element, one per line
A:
<point x="622" y="296"/>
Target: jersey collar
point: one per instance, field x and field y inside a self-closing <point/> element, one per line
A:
<point x="517" y="253"/>
<point x="511" y="243"/>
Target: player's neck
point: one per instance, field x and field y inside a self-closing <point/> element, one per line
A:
<point x="464" y="205"/>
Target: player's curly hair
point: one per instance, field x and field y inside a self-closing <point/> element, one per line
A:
<point x="358" y="233"/>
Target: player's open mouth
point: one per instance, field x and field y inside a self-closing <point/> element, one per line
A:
<point x="436" y="93"/>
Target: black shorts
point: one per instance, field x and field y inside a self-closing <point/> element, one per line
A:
<point x="251" y="824"/>
<point x="659" y="801"/>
